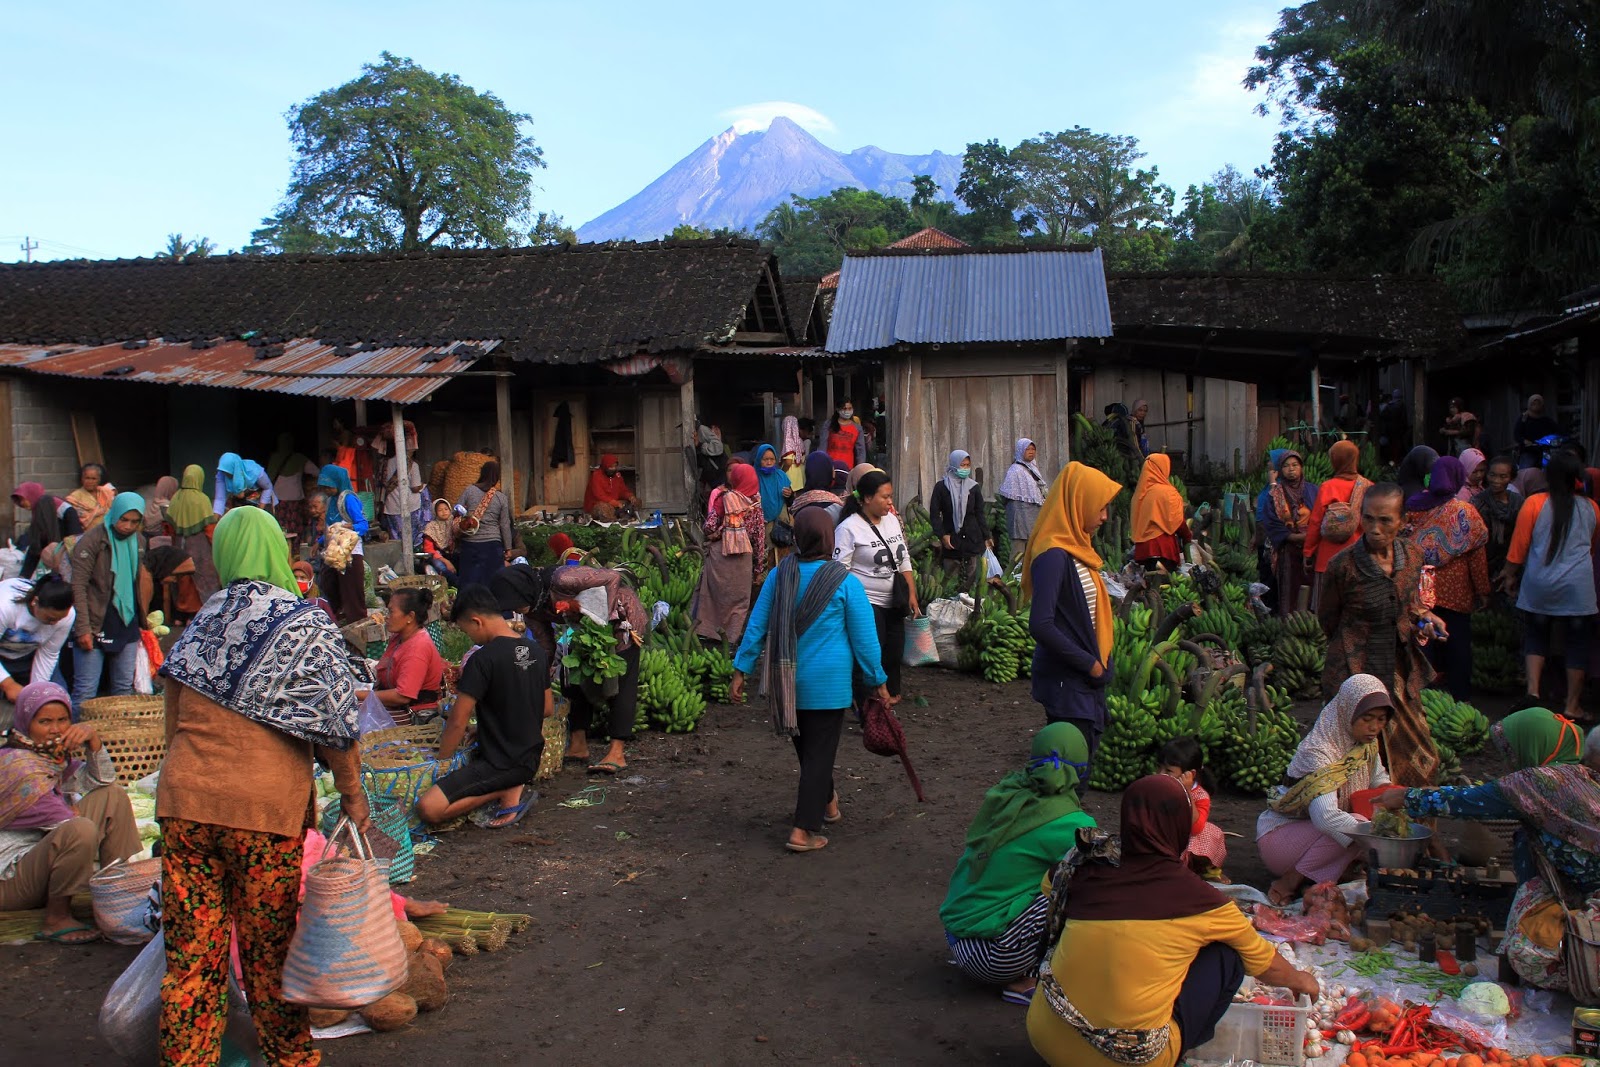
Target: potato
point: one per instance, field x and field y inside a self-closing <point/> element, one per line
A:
<point x="439" y="951"/>
<point x="410" y="936"/>
<point x="390" y="1013"/>
<point x="322" y="1018"/>
<point x="425" y="982"/>
<point x="1360" y="944"/>
<point x="1470" y="970"/>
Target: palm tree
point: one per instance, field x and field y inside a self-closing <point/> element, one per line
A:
<point x="179" y="248"/>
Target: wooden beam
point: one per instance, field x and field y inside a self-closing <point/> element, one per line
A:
<point x="1316" y="401"/>
<point x="913" y="430"/>
<point x="1063" y="421"/>
<point x="361" y="413"/>
<point x="508" y="459"/>
<point x="1419" y="399"/>
<point x="402" y="468"/>
<point x="687" y="424"/>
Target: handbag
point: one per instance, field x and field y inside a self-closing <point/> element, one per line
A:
<point x="899" y="588"/>
<point x="1341" y="520"/>
<point x="882" y="734"/>
<point x="346" y="951"/>
<point x="468" y="524"/>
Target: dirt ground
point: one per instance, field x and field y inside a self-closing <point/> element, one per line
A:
<point x="669" y="924"/>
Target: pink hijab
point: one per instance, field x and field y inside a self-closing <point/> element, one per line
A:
<point x="1471" y="460"/>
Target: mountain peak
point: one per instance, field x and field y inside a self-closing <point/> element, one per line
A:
<point x="734" y="179"/>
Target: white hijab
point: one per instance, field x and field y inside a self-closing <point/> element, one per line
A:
<point x="1329" y="740"/>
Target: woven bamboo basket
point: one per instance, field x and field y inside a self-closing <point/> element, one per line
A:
<point x="136" y="746"/>
<point x="464" y="470"/>
<point x="436" y="479"/>
<point x="401" y="763"/>
<point x="134" y="706"/>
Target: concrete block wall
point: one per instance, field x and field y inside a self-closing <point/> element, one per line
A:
<point x="42" y="446"/>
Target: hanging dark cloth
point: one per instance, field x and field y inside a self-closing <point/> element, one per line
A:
<point x="561" y="450"/>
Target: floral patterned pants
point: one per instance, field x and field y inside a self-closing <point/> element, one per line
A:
<point x="212" y="876"/>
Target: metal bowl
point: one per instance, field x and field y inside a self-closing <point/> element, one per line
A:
<point x="1392" y="852"/>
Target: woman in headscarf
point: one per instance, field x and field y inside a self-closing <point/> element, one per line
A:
<point x="792" y="443"/>
<point x="814" y="622"/>
<point x="53" y="521"/>
<point x="1346" y="488"/>
<point x="1452" y="538"/>
<point x="48" y="845"/>
<point x="242" y="482"/>
<point x="155" y="510"/>
<point x="1412" y="475"/>
<point x="735" y="556"/>
<point x="995" y="913"/>
<point x="1070" y="611"/>
<point x="256" y="686"/>
<point x="955" y="509"/>
<point x="344" y="560"/>
<point x="289" y="468"/>
<point x="1141" y="411"/>
<point x="1023" y="490"/>
<point x="1304" y="835"/>
<point x="1266" y="555"/>
<point x="1461" y="430"/>
<point x="1532" y="427"/>
<point x="1146" y="956"/>
<point x="1159" y="529"/>
<point x="191" y="515"/>
<point x="1372" y="610"/>
<point x="93" y="496"/>
<point x="439" y="539"/>
<point x="110" y="593"/>
<point x="1499" y="504"/>
<point x="1286" y="521"/>
<point x="1474" y="467"/>
<point x="607" y="492"/>
<point x="1554" y="792"/>
<point x="772" y="482"/>
<point x="816" y="487"/>
<point x="485" y="540"/>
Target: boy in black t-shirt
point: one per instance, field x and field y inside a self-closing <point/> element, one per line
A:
<point x="507" y="682"/>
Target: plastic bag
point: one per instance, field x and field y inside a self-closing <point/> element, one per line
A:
<point x="143" y="680"/>
<point x="947" y="616"/>
<point x="991" y="565"/>
<point x="130" y="1016"/>
<point x="374" y="716"/>
<point x="919" y="648"/>
<point x="11" y="558"/>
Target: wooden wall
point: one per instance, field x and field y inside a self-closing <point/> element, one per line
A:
<point x="1211" y="423"/>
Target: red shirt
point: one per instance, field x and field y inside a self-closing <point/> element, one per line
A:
<point x="414" y="667"/>
<point x="842" y="444"/>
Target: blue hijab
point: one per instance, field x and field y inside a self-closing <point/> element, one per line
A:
<point x="773" y="481"/>
<point x="336" y="478"/>
<point x="240" y="475"/>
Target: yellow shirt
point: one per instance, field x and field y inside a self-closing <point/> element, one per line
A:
<point x="1126" y="974"/>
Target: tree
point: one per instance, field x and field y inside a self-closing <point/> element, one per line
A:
<point x="180" y="248"/>
<point x="811" y="235"/>
<point x="991" y="188"/>
<point x="1221" y="223"/>
<point x="551" y="229"/>
<point x="685" y="231"/>
<point x="400" y="159"/>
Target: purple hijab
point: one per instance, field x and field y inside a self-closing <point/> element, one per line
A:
<point x="30" y="782"/>
<point x="1442" y="483"/>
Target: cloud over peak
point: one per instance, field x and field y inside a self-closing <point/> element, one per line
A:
<point x="748" y="118"/>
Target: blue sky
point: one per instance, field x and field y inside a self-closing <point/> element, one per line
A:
<point x="126" y="122"/>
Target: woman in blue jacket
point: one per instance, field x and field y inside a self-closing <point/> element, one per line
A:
<point x="1070" y="617"/>
<point x="817" y="613"/>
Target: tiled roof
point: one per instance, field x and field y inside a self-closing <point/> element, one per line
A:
<point x="929" y="238"/>
<point x="890" y="297"/>
<point x="799" y="298"/>
<point x="558" y="304"/>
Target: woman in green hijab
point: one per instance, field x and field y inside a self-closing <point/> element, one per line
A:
<point x="109" y="603"/>
<point x="1538" y="737"/>
<point x="994" y="915"/>
<point x="191" y="514"/>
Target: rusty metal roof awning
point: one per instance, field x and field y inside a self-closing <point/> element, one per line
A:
<point x="300" y="367"/>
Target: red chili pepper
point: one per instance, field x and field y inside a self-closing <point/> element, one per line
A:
<point x="1448" y="964"/>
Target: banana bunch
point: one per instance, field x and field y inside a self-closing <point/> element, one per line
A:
<point x="712" y="672"/>
<point x="1178" y="591"/>
<point x="1318" y="468"/>
<point x="999" y="530"/>
<point x="1459" y="726"/>
<point x="1001" y="639"/>
<point x="1124" y="752"/>
<point x="1258" y="753"/>
<point x="1298" y="656"/>
<point x="1449" y="764"/>
<point x="1237" y="561"/>
<point x="1496" y="651"/>
<point x="668" y="695"/>
<point x="1130" y="644"/>
<point x="1258" y="637"/>
<point x="918" y="528"/>
<point x="1219" y="621"/>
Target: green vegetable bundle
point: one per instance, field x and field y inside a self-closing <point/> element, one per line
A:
<point x="593" y="653"/>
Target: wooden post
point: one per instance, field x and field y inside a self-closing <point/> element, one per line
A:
<point x="1063" y="422"/>
<point x="1316" y="401"/>
<point x="822" y="435"/>
<point x="913" y="430"/>
<point x="508" y="461"/>
<point x="361" y="413"/>
<point x="1419" y="400"/>
<point x="402" y="467"/>
<point x="687" y="424"/>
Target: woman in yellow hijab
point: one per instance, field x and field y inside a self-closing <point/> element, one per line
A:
<point x="1159" y="530"/>
<point x="1070" y="616"/>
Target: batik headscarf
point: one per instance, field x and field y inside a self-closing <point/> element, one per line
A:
<point x="124" y="557"/>
<point x="772" y="482"/>
<point x="959" y="489"/>
<point x="1023" y="482"/>
<point x="1157" y="504"/>
<point x="791" y="437"/>
<point x="1023" y="801"/>
<point x="258" y="649"/>
<point x="191" y="510"/>
<point x="1076" y="499"/>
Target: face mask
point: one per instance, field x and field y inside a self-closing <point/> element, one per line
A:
<point x="963" y="472"/>
<point x="845" y="414"/>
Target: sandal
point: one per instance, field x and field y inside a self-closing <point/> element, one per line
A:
<point x="606" y="767"/>
<point x="836" y="816"/>
<point x="68" y="935"/>
<point x="816" y="843"/>
<point x="516" y="813"/>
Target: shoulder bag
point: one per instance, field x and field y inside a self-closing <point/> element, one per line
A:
<point x="900" y="592"/>
<point x="468" y="524"/>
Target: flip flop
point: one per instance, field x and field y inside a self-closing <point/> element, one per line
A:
<point x="64" y="936"/>
<point x="1012" y="996"/>
<point x="813" y="845"/>
<point x="605" y="767"/>
<point x="517" y="813"/>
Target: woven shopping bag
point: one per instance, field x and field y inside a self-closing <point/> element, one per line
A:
<point x="120" y="894"/>
<point x="391" y="832"/>
<point x="346" y="951"/>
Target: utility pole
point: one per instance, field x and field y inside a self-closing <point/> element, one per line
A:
<point x="28" y="245"/>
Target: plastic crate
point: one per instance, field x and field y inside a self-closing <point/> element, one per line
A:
<point x="1273" y="1035"/>
<point x="1438" y="897"/>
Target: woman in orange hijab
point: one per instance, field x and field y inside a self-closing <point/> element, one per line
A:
<point x="1070" y="616"/>
<point x="1159" y="530"/>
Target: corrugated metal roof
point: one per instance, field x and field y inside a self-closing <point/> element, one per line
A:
<point x="306" y="367"/>
<point x="964" y="297"/>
